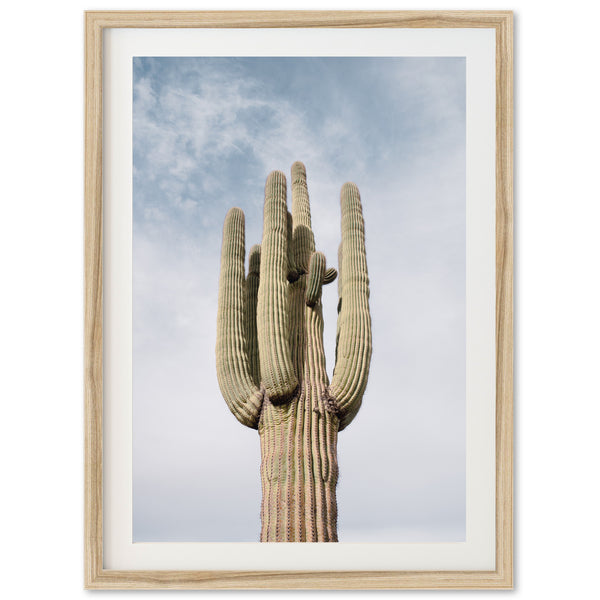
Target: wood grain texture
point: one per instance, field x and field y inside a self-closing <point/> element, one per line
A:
<point x="93" y="302"/>
<point x="299" y="580"/>
<point x="95" y="576"/>
<point x="250" y="19"/>
<point x="504" y="300"/>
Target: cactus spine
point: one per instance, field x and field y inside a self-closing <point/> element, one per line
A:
<point x="271" y="360"/>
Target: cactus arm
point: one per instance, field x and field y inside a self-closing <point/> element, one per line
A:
<point x="304" y="240"/>
<point x="300" y="201"/>
<point x="330" y="275"/>
<point x="252" y="283"/>
<point x="314" y="281"/>
<point x="276" y="368"/>
<point x="241" y="394"/>
<point x="354" y="345"/>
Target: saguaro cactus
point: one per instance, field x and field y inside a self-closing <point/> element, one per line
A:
<point x="270" y="356"/>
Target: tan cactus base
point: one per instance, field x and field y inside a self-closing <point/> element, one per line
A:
<point x="299" y="471"/>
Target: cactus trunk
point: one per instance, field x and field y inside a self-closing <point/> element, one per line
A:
<point x="271" y="360"/>
<point x="299" y="473"/>
<point x="299" y="441"/>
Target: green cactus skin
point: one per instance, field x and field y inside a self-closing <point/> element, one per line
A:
<point x="271" y="360"/>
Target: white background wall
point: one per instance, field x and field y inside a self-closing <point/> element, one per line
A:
<point x="557" y="292"/>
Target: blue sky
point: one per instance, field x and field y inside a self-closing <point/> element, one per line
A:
<point x="206" y="133"/>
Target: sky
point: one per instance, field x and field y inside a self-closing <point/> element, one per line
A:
<point x="206" y="133"/>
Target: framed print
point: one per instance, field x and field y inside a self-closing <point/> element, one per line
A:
<point x="298" y="300"/>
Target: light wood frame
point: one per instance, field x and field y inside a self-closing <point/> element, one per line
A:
<point x="95" y="575"/>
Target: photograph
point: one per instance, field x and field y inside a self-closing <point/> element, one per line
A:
<point x="299" y="260"/>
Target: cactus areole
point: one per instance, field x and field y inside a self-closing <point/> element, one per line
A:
<point x="271" y="360"/>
